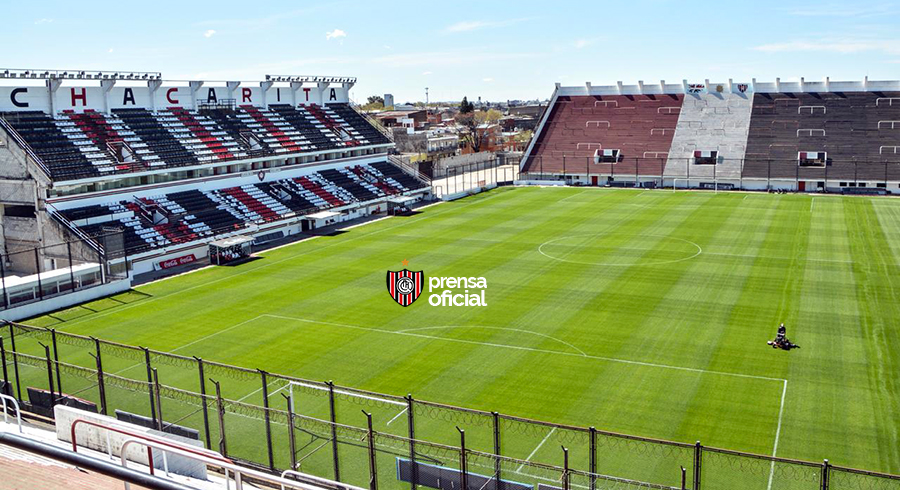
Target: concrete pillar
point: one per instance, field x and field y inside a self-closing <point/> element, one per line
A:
<point x="153" y="85"/>
<point x="106" y="86"/>
<point x="265" y="86"/>
<point x="195" y="86"/>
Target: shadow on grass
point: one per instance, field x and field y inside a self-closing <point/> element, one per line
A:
<point x="97" y="306"/>
<point x="328" y="232"/>
<point x="247" y="260"/>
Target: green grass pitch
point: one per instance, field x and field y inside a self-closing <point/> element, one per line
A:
<point x="642" y="312"/>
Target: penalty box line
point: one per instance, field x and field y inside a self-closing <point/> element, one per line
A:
<point x="408" y="333"/>
<point x="783" y="381"/>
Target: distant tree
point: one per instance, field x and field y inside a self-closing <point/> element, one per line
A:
<point x="491" y="116"/>
<point x="375" y="98"/>
<point x="466" y="107"/>
<point x="373" y="106"/>
<point x="470" y="134"/>
<point x="523" y="136"/>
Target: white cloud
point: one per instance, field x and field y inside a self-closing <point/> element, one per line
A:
<point x="474" y="25"/>
<point x="43" y="21"/>
<point x="426" y="73"/>
<point x="386" y="46"/>
<point x="837" y="46"/>
<point x="488" y="79"/>
<point x="209" y="33"/>
<point x="110" y="50"/>
<point x="335" y="34"/>
<point x="581" y="43"/>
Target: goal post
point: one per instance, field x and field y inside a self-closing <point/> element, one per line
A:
<point x="385" y="410"/>
<point x="687" y="184"/>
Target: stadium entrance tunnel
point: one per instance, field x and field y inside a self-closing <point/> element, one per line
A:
<point x="615" y="250"/>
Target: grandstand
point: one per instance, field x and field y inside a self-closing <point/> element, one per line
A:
<point x="175" y="166"/>
<point x="803" y="136"/>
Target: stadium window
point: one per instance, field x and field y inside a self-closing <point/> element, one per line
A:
<point x="861" y="184"/>
<point x="706" y="157"/>
<point x="19" y="211"/>
<point x="843" y="184"/>
<point x="881" y="185"/>
<point x="812" y="158"/>
<point x="607" y="156"/>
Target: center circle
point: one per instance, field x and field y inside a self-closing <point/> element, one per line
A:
<point x="405" y="285"/>
<point x="617" y="250"/>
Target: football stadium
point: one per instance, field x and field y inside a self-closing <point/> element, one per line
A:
<point x="672" y="285"/>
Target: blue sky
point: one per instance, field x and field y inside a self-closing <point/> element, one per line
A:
<point x="498" y="50"/>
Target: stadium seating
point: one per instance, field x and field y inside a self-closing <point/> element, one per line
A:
<point x="89" y="144"/>
<point x="710" y="122"/>
<point x="857" y="130"/>
<point x="185" y="216"/>
<point x="640" y="127"/>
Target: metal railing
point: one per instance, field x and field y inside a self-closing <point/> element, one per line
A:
<point x="20" y="141"/>
<point x="336" y="442"/>
<point x="741" y="172"/>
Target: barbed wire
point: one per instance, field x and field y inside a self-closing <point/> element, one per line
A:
<point x="457" y="417"/>
<point x="860" y="480"/>
<point x="76" y="340"/>
<point x="643" y="448"/>
<point x="121" y="351"/>
<point x="216" y="369"/>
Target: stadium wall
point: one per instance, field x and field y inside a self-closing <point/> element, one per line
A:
<point x="758" y="129"/>
<point x="55" y="303"/>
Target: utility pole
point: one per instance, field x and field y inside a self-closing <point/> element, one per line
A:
<point x="426" y="97"/>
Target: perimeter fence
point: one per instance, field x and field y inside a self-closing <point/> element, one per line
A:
<point x="740" y="173"/>
<point x="369" y="439"/>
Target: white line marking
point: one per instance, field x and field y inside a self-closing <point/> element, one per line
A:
<point x="496" y="328"/>
<point x="606" y="264"/>
<point x="268" y="264"/>
<point x="537" y="448"/>
<point x="573" y="195"/>
<point x="248" y="395"/>
<point x="528" y="349"/>
<point x="399" y="414"/>
<point x="201" y="339"/>
<point x="777" y="435"/>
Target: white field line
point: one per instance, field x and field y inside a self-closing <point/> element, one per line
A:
<point x="201" y="339"/>
<point x="268" y="264"/>
<point x="519" y="330"/>
<point x="777" y="435"/>
<point x="398" y="415"/>
<point x="248" y="395"/>
<point x="528" y="349"/>
<point x="537" y="448"/>
<point x="573" y="195"/>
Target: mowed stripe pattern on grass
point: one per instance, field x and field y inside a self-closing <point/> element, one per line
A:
<point x="829" y="271"/>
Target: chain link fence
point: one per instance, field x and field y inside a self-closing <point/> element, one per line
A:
<point x="370" y="439"/>
<point x="31" y="274"/>
<point x="856" y="176"/>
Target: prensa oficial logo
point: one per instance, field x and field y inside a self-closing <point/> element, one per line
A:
<point x="405" y="287"/>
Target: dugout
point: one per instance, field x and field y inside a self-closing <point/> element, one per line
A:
<point x="320" y="219"/>
<point x="229" y="249"/>
<point x="400" y="205"/>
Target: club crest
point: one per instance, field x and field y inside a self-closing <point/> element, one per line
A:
<point x="405" y="286"/>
